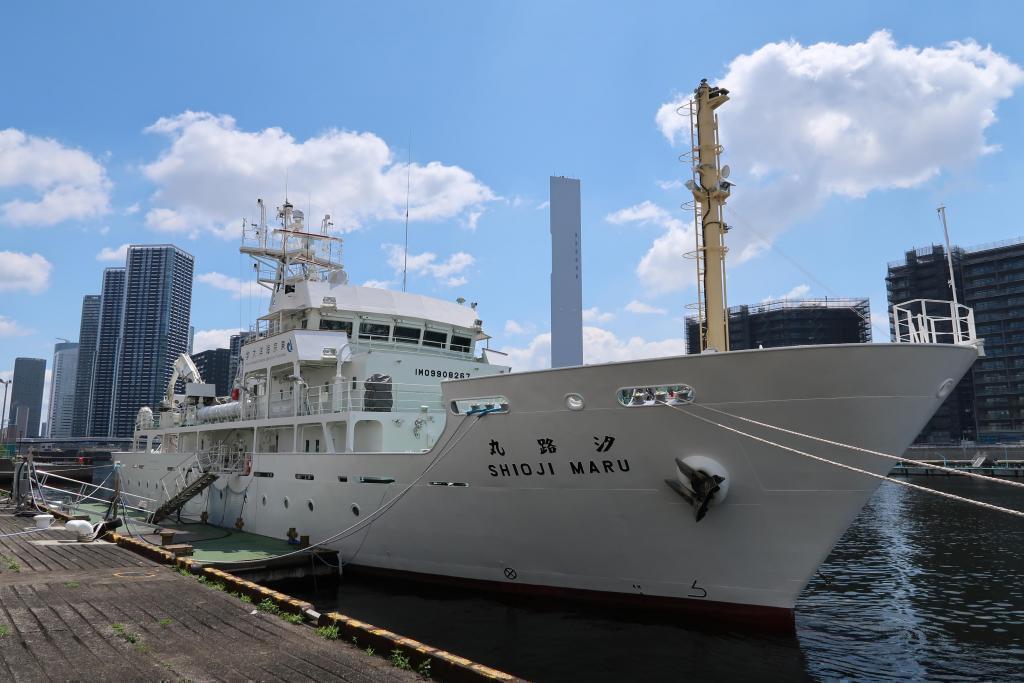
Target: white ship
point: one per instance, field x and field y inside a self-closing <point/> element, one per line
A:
<point x="375" y="422"/>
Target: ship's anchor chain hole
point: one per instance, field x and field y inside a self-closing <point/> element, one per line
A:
<point x="652" y="395"/>
<point x="355" y="509"/>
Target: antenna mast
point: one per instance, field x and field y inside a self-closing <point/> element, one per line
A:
<point x="709" y="193"/>
<point x="949" y="253"/>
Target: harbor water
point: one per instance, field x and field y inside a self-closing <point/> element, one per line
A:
<point x="919" y="588"/>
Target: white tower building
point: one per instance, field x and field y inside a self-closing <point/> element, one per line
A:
<point x="566" y="274"/>
<point x="62" y="389"/>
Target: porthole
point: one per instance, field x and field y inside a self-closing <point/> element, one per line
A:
<point x="574" y="402"/>
<point x="263" y="500"/>
<point x="286" y="502"/>
<point x="355" y="509"/>
<point x="310" y="504"/>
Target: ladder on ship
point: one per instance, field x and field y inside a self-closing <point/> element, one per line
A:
<point x="209" y="466"/>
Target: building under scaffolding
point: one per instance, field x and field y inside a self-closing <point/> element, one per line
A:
<point x="792" y="322"/>
<point x="988" y="403"/>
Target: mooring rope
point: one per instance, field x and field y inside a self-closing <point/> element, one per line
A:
<point x="906" y="484"/>
<point x="951" y="470"/>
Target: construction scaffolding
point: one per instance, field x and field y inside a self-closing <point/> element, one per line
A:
<point x="792" y="322"/>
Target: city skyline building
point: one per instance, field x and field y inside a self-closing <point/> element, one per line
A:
<point x="987" y="406"/>
<point x="924" y="274"/>
<point x="566" y="273"/>
<point x="107" y="338"/>
<point x="214" y="367"/>
<point x="154" y="329"/>
<point x="792" y="322"/>
<point x="63" y="376"/>
<point x="235" y="347"/>
<point x="27" y="394"/>
<point x="88" y="331"/>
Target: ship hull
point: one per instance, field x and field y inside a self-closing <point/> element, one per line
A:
<point x="575" y="503"/>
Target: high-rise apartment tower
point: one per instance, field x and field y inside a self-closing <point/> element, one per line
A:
<point x="62" y="390"/>
<point x="154" y="329"/>
<point x="88" y="331"/>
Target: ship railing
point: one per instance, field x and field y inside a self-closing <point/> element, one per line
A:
<point x="377" y="397"/>
<point x="283" y="406"/>
<point x="263" y="329"/>
<point x="223" y="460"/>
<point x="357" y="345"/>
<point x="931" y="321"/>
<point x="217" y="460"/>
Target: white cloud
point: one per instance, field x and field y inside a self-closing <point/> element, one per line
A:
<point x="213" y="171"/>
<point x="596" y="315"/>
<point x="63" y="183"/>
<point x="599" y="346"/>
<point x="641" y="308"/>
<point x="104" y="230"/>
<point x="448" y="273"/>
<point x="133" y="209"/>
<point x="809" y="123"/>
<point x="879" y="327"/>
<point x="514" y="327"/>
<point x="30" y="272"/>
<point x="168" y="220"/>
<point x="669" y="184"/>
<point x="795" y="293"/>
<point x="379" y="284"/>
<point x="662" y="269"/>
<point x="534" y="356"/>
<point x="117" y="254"/>
<point x="543" y="205"/>
<point x="238" y="288"/>
<point x="11" y="328"/>
<point x="212" y="339"/>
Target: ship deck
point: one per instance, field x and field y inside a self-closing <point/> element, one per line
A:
<point x="252" y="556"/>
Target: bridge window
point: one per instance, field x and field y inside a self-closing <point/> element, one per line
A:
<point x="435" y="339"/>
<point x="461" y="343"/>
<point x="338" y="325"/>
<point x="407" y="335"/>
<point x="374" y="331"/>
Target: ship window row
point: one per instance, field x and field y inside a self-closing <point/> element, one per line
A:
<point x="402" y="334"/>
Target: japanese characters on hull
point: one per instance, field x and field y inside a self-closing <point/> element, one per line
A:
<point x="542" y="468"/>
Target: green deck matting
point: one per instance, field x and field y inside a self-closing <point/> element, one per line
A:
<point x="210" y="543"/>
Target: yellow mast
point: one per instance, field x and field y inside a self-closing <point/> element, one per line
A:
<point x="710" y="193"/>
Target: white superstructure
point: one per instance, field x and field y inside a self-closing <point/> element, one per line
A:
<point x="375" y="422"/>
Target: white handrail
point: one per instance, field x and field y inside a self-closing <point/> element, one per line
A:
<point x="931" y="321"/>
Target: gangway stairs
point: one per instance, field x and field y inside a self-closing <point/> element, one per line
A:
<point x="209" y="466"/>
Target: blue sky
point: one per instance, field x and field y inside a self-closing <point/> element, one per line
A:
<point x="138" y="123"/>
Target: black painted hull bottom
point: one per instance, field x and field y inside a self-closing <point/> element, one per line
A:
<point x="700" y="612"/>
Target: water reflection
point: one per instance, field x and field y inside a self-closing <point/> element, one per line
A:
<point x="921" y="587"/>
